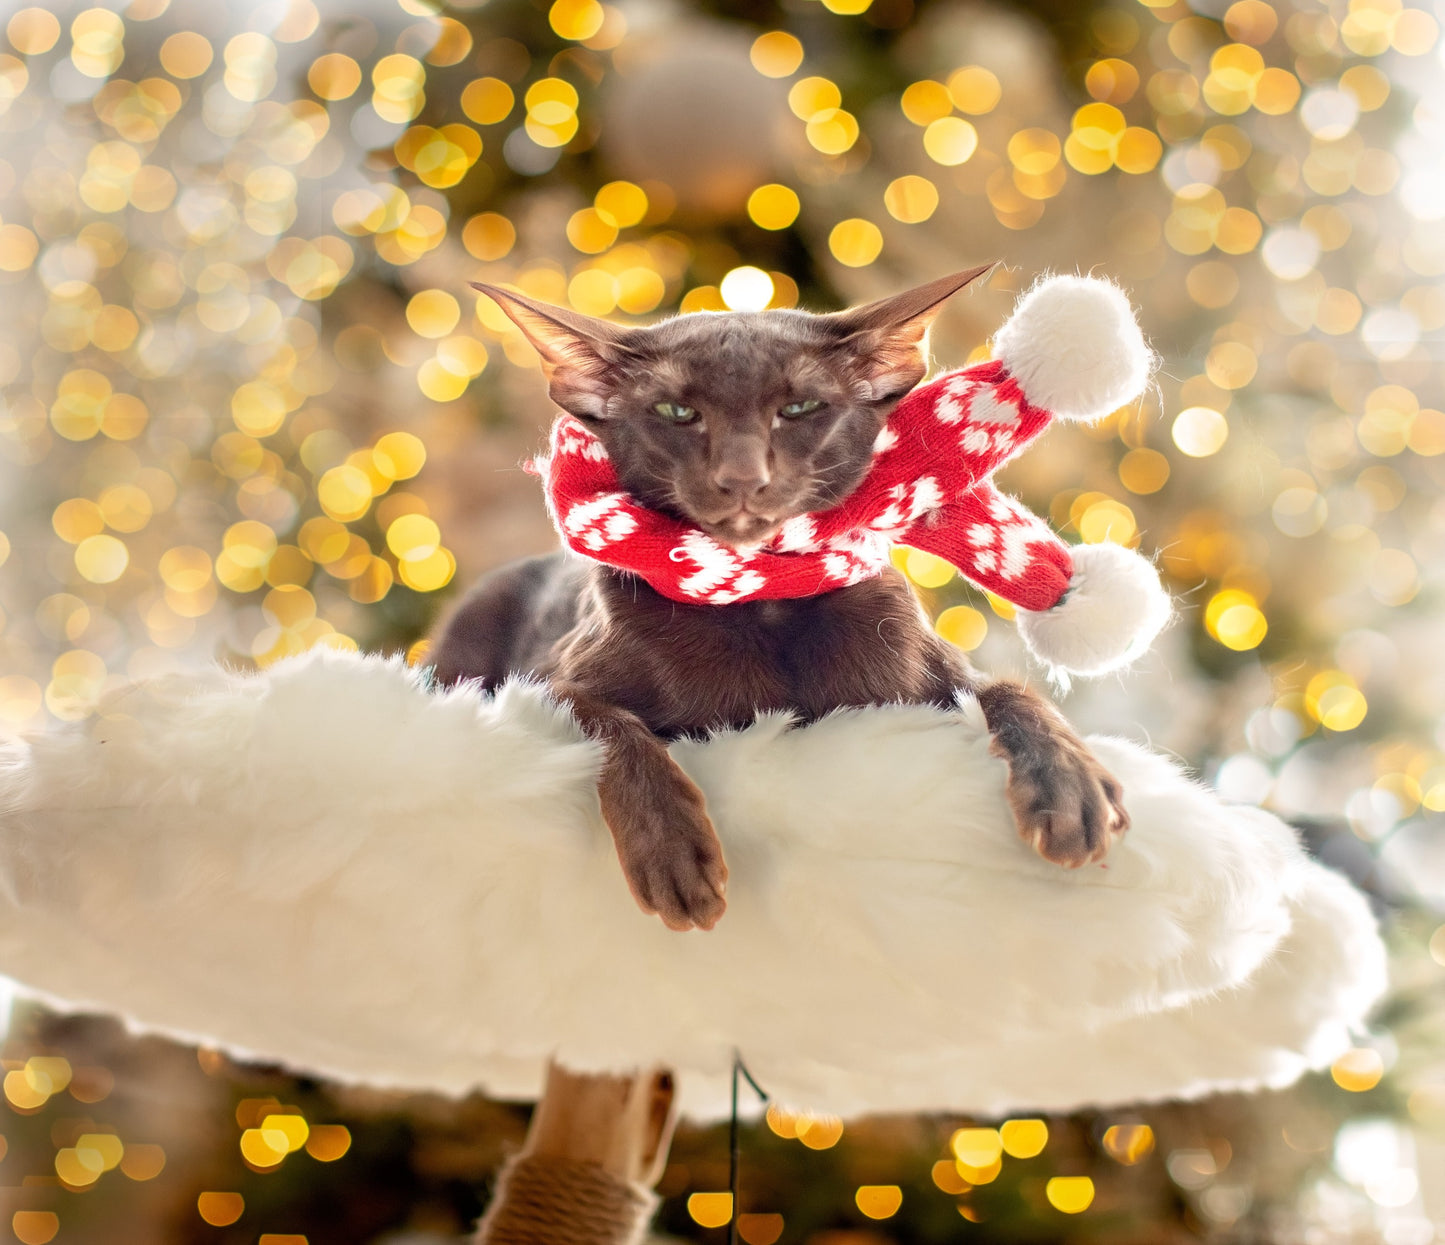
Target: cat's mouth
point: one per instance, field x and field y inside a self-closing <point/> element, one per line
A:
<point x="743" y="528"/>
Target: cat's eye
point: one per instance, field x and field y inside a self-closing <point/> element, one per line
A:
<point x="796" y="410"/>
<point x="675" y="412"/>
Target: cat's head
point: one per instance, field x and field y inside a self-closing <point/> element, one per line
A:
<point x="737" y="421"/>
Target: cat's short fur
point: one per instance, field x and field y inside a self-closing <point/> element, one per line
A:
<point x="638" y="668"/>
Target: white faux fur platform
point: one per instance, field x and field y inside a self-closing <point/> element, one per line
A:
<point x="329" y="866"/>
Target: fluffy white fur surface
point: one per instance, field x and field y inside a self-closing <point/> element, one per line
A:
<point x="328" y="866"/>
<point x="1114" y="608"/>
<point x="1075" y="348"/>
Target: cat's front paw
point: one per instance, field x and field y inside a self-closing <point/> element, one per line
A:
<point x="1069" y="808"/>
<point x="673" y="861"/>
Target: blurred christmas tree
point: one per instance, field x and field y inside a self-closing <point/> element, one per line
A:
<point x="250" y="405"/>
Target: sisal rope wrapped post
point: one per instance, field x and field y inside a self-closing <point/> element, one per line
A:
<point x="584" y="1176"/>
<point x="542" y="1198"/>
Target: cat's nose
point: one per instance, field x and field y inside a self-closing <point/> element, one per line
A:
<point x="742" y="482"/>
<point x="740" y="466"/>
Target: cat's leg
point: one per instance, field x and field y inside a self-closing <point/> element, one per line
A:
<point x="666" y="843"/>
<point x="518" y="620"/>
<point x="508" y="622"/>
<point x="1067" y="805"/>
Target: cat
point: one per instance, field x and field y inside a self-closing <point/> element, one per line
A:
<point x="736" y="422"/>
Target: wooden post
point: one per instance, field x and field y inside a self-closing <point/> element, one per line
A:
<point x="584" y="1176"/>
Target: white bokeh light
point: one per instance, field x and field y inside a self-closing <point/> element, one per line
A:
<point x="1330" y="113"/>
<point x="746" y="289"/>
<point x="1290" y="253"/>
<point x="1422" y="149"/>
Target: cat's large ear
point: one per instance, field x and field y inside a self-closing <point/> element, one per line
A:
<point x="886" y="337"/>
<point x="579" y="353"/>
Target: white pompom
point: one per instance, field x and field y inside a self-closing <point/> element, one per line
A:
<point x="1114" y="608"/>
<point x="1075" y="348"/>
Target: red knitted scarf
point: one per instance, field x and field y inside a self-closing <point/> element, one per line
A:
<point x="928" y="486"/>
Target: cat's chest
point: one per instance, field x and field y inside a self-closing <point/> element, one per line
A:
<point x="721" y="666"/>
<point x="773" y="614"/>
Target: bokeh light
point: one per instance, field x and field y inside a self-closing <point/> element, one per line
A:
<point x="250" y="405"/>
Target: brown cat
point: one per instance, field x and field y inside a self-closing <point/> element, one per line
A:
<point x="737" y="422"/>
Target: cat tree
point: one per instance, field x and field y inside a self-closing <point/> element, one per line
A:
<point x="330" y="866"/>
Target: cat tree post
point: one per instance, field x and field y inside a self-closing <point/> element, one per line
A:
<point x="596" y="1146"/>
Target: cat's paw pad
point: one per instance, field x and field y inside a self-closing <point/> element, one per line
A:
<point x="676" y="870"/>
<point x="1069" y="808"/>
